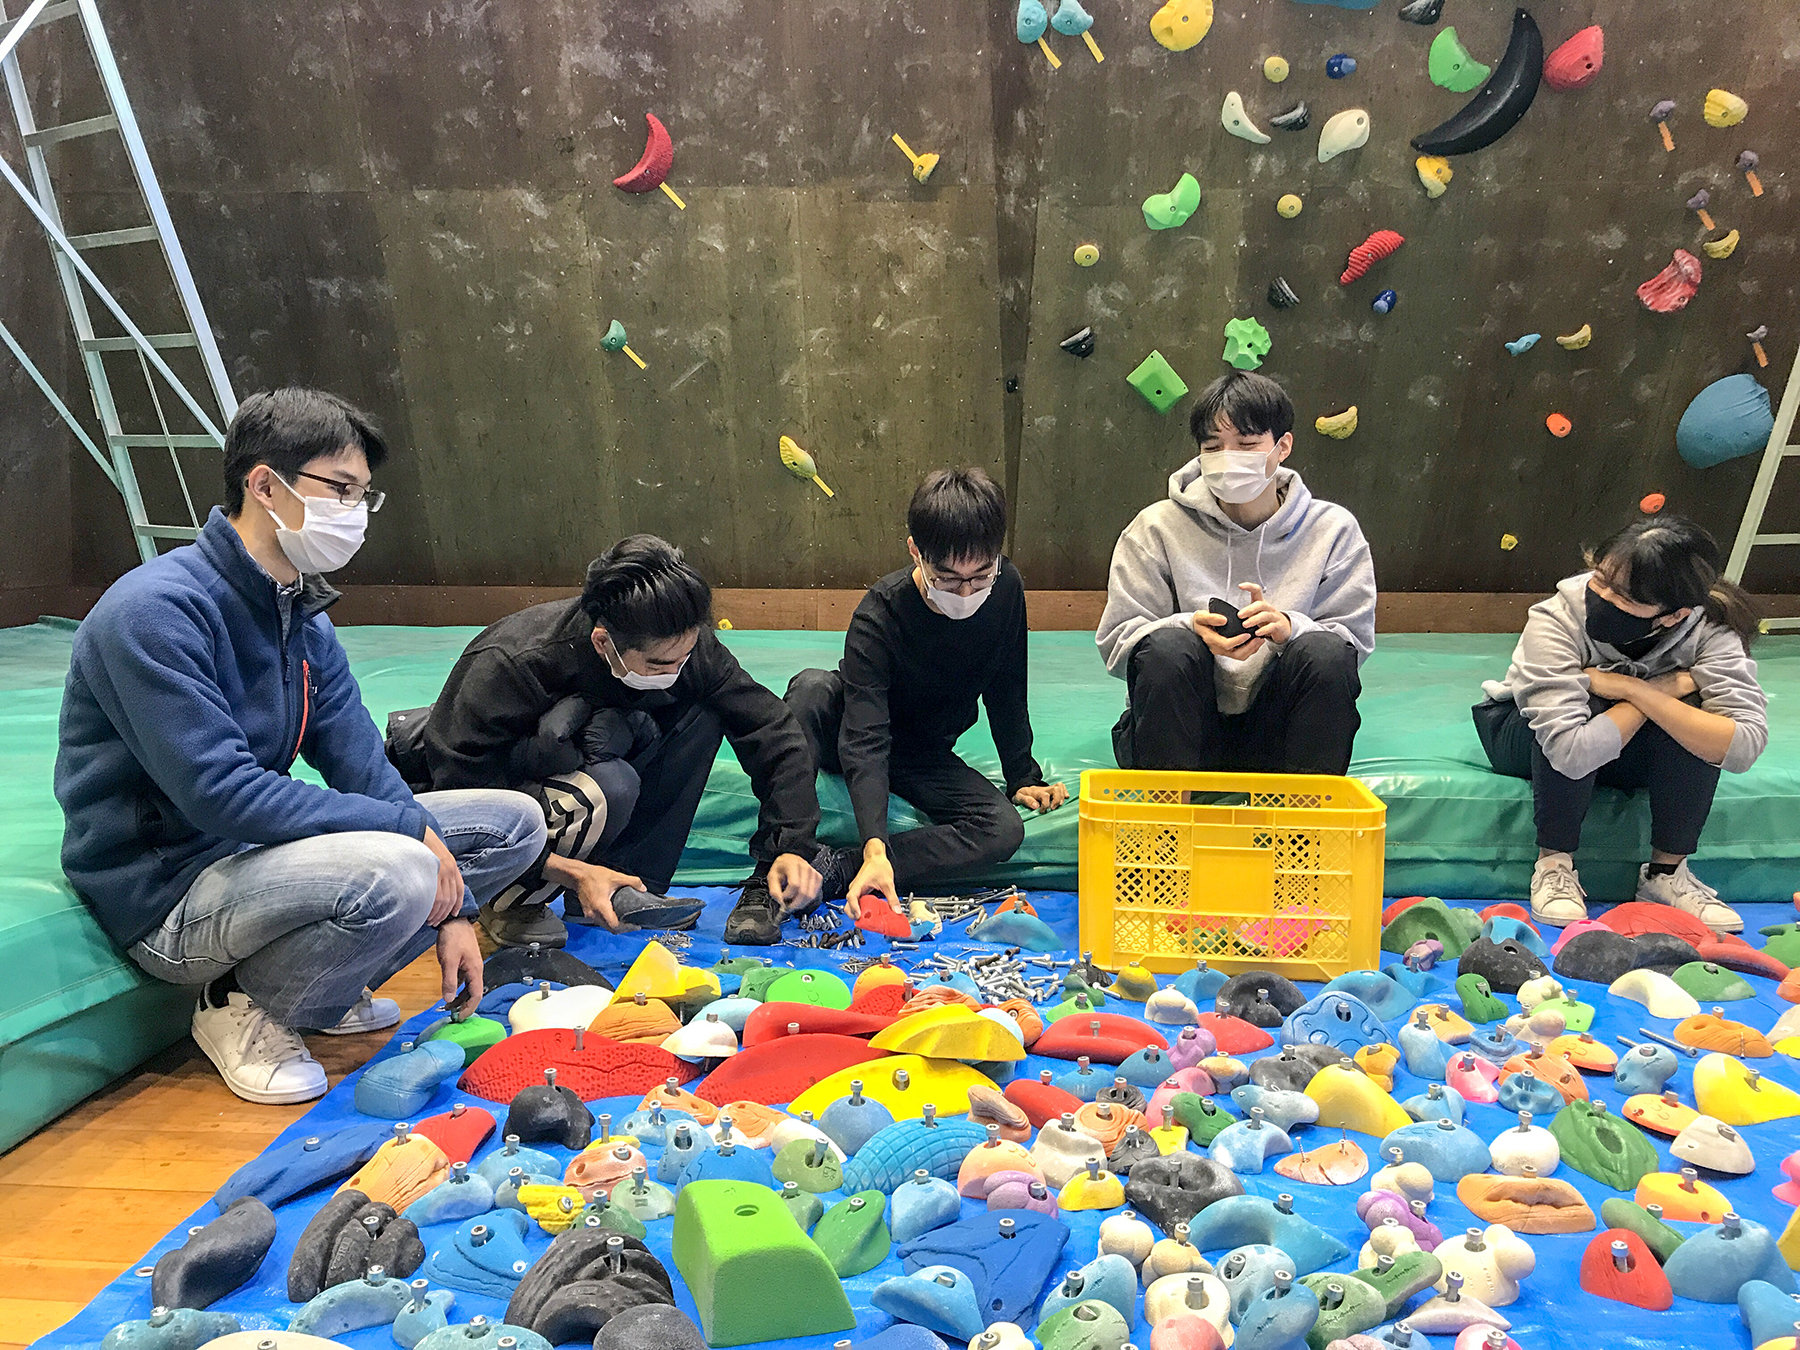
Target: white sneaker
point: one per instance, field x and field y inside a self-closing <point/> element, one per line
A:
<point x="1687" y="893"/>
<point x="259" y="1059"/>
<point x="1556" y="895"/>
<point x="369" y="1014"/>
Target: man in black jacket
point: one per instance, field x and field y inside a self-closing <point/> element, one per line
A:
<point x="610" y="709"/>
<point x="923" y="646"/>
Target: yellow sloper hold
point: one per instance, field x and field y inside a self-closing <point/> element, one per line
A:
<point x="950" y="1031"/>
<point x="876" y="977"/>
<point x="1729" y="1090"/>
<point x="1086" y="1190"/>
<point x="1350" y="1100"/>
<point x="1169" y="1138"/>
<point x="1723" y="108"/>
<point x="1339" y="426"/>
<point x="1434" y="173"/>
<point x="1180" y="24"/>
<point x="552" y="1207"/>
<point x="1574" y="342"/>
<point x="658" y="974"/>
<point x="904" y="1084"/>
<point x="1721" y="248"/>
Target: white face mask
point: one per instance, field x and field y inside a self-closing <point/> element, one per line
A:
<point x="957" y="606"/>
<point x="329" y="535"/>
<point x="1236" y="476"/>
<point x="631" y="679"/>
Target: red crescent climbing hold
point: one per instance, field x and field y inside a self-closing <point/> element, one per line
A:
<point x="1372" y="250"/>
<point x="1576" y="64"/>
<point x="1670" y="289"/>
<point x="659" y="156"/>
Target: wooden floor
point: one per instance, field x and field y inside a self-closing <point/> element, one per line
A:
<point x="90" y="1193"/>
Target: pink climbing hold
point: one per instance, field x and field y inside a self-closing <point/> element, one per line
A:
<point x="1576" y="64"/>
<point x="1381" y="244"/>
<point x="1788" y="1192"/>
<point x="1670" y="289"/>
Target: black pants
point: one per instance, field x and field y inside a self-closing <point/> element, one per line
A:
<point x="973" y="826"/>
<point x="1681" y="784"/>
<point x="1302" y="720"/>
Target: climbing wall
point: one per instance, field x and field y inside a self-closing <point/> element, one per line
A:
<point x="412" y="203"/>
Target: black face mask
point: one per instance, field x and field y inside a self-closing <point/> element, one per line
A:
<point x="1627" y="633"/>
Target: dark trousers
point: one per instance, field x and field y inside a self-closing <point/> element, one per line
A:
<point x="632" y="815"/>
<point x="1302" y="720"/>
<point x="1681" y="784"/>
<point x="973" y="826"/>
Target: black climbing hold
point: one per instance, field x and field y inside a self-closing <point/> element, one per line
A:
<point x="397" y="1248"/>
<point x="1661" y="951"/>
<point x="222" y="1256"/>
<point x="312" y="1254"/>
<point x="1079" y="343"/>
<point x="577" y="1312"/>
<point x="1262" y="998"/>
<point x="578" y="1254"/>
<point x="1504" y="965"/>
<point x="1424" y="12"/>
<point x="1123" y="1094"/>
<point x="1596" y="954"/>
<point x="553" y="1113"/>
<point x="523" y="965"/>
<point x="1294" y="1067"/>
<point x="1012" y="384"/>
<point x="1282" y="295"/>
<point x="650" y="1326"/>
<point x="1296" y="118"/>
<point x="1173" y="1189"/>
<point x="1134" y="1147"/>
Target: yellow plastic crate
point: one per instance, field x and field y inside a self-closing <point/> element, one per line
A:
<point x="1245" y="871"/>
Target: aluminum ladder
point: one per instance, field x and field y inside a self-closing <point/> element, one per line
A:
<point x="1749" y="534"/>
<point x="144" y="423"/>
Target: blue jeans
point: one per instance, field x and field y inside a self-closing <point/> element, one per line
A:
<point x="307" y="925"/>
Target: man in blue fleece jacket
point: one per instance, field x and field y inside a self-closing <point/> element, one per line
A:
<point x="194" y="685"/>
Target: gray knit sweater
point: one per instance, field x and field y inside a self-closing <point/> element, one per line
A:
<point x="1546" y="681"/>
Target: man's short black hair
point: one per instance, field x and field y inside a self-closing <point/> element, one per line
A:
<point x="289" y="428"/>
<point x="641" y="590"/>
<point x="1250" y="402"/>
<point x="957" y="514"/>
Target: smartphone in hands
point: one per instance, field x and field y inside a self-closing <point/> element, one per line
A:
<point x="1234" y="626"/>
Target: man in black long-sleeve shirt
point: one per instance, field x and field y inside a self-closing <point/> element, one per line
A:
<point x="923" y="646"/>
<point x="610" y="709"/>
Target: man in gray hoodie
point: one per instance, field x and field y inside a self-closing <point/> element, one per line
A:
<point x="1240" y="541"/>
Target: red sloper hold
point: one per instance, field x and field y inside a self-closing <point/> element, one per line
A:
<point x="1116" y="1039"/>
<point x="601" y="1068"/>
<point x="779" y="1071"/>
<point x="770" y="1021"/>
<point x="1234" y="1035"/>
<point x="1634" y="918"/>
<point x="1397" y="908"/>
<point x="458" y="1132"/>
<point x="1740" y="956"/>
<point x="1670" y="289"/>
<point x="1643" y="1285"/>
<point x="1381" y="244"/>
<point x="1576" y="64"/>
<point x="1508" y="910"/>
<point x="1040" y="1101"/>
<point x="653" y="166"/>
<point x="879" y="917"/>
<point x="884" y="1000"/>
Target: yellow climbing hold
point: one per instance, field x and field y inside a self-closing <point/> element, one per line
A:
<point x="1338" y="426"/>
<point x="657" y="974"/>
<point x="876" y="977"/>
<point x="1721" y="248"/>
<point x="1788" y="1244"/>
<point x="553" y="1207"/>
<point x="1723" y="108"/>
<point x="1351" y="1100"/>
<point x="1086" y="255"/>
<point x="1729" y="1090"/>
<point x="1574" y="342"/>
<point x="801" y="464"/>
<point x="1435" y="173"/>
<point x="1288" y="207"/>
<point x="1275" y="69"/>
<point x="950" y="1031"/>
<point x="904" y="1084"/>
<point x="1508" y="542"/>
<point x="1378" y="1061"/>
<point x="1169" y="1138"/>
<point x="1098" y="1189"/>
<point x="1180" y="24"/>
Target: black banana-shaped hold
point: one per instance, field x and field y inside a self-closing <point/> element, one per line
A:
<point x="1500" y="103"/>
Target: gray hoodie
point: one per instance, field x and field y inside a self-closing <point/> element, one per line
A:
<point x="1309" y="557"/>
<point x="1546" y="681"/>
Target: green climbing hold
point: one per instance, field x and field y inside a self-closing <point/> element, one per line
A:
<point x="1710" y="982"/>
<point x="1157" y="381"/>
<point x="1246" y="343"/>
<point x="1661" y="1239"/>
<point x="1783" y="943"/>
<point x="1600" y="1145"/>
<point x="854" y="1234"/>
<point x="1358" y="1307"/>
<point x="1478" y="1002"/>
<point x="1452" y="67"/>
<point x="1201" y="1117"/>
<point x="473" y="1034"/>
<point x="615" y="338"/>
<point x="1092" y="1325"/>
<point x="820" y="988"/>
<point x="1411" y="1273"/>
<point x="805" y="1206"/>
<point x="756" y="981"/>
<point x="613" y="1218"/>
<point x="1073" y="984"/>
<point x="1073" y="1006"/>
<point x="1577" y="1016"/>
<point x="1432" y="918"/>
<point x="809" y="1164"/>
<point x="1169" y="210"/>
<point x="738" y="965"/>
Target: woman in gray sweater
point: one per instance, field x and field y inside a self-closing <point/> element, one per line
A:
<point x="1635" y="674"/>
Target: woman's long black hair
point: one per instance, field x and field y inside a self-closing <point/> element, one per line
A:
<point x="1672" y="563"/>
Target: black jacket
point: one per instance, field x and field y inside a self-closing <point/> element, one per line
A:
<point x="516" y="670"/>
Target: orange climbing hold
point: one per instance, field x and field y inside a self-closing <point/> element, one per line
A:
<point x="1559" y="425"/>
<point x="400" y="1171"/>
<point x="1381" y="244"/>
<point x="1652" y="502"/>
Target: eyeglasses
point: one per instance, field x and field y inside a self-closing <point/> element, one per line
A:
<point x="350" y="494"/>
<point x="962" y="585"/>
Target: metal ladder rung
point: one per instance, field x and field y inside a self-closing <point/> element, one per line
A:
<point x="153" y="441"/>
<point x="185" y="533"/>
<point x="163" y="341"/>
<point x="136" y="234"/>
<point x="1764" y="540"/>
<point x="69" y="131"/>
<point x="64" y="9"/>
<point x="1781" y="625"/>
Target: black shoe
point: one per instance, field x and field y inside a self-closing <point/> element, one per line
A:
<point x="646" y="909"/>
<point x="837" y="867"/>
<point x="523" y="925"/>
<point x="755" y="921"/>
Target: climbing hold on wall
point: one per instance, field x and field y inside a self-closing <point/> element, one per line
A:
<point x="1508" y="542"/>
<point x="1574" y="342"/>
<point x="1340" y="65"/>
<point x="800" y="464"/>
<point x="1384" y="303"/>
<point x="1501" y="102"/>
<point x="1342" y="4"/>
<point x="1422" y="12"/>
<point x="1296" y="118"/>
<point x="922" y="165"/>
<point x="1381" y="244"/>
<point x="1520" y="345"/>
<point x="1343" y="132"/>
<point x="1338" y="426"/>
<point x="1079" y="343"/>
<point x="1670" y="289"/>
<point x="1275" y="69"/>
<point x="1747" y="161"/>
<point x="1451" y="67"/>
<point x="1282" y="295"/>
<point x="1073" y="21"/>
<point x="1728" y="418"/>
<point x="1030" y="25"/>
<point x="1576" y="63"/>
<point x="1289" y="206"/>
<point x="615" y="340"/>
<point x="1086" y="255"/>
<point x="653" y="165"/>
<point x="1721" y="248"/>
<point x="1170" y="210"/>
<point x="1660" y="113"/>
<point x="1559" y="425"/>
<point x="1652" y="502"/>
<point x="1756" y="336"/>
<point x="1435" y="173"/>
<point x="1723" y="108"/>
<point x="1180" y="24"/>
<point x="1246" y="343"/>
<point x="1238" y="122"/>
<point x="1157" y="381"/>
<point x="1698" y="204"/>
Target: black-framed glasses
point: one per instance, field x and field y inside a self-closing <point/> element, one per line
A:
<point x="963" y="585"/>
<point x="350" y="494"/>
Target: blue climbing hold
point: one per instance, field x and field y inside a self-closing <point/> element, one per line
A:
<point x="469" y="1336"/>
<point x="1084" y="1081"/>
<point x="652" y="1125"/>
<point x="940" y="1298"/>
<point x="1715" y="1263"/>
<point x="1527" y="1092"/>
<point x="1418" y="983"/>
<point x="1278" y="1319"/>
<point x="906" y="1336"/>
<point x="1337" y="1019"/>
<point x="1505" y="928"/>
<point x="1245" y="1146"/>
<point x="683" y="1147"/>
<point x="1519" y="346"/>
<point x="1436" y="1103"/>
<point x="920" y="1205"/>
<point x="1496" y="1045"/>
<point x="535" y="1161"/>
<point x="850" y="1122"/>
<point x="448" y="1201"/>
<point x="1146" y="1068"/>
<point x="485" y="1255"/>
<point x="1387" y="1335"/>
<point x="1008" y="1271"/>
<point x="892" y="1155"/>
<point x="185" y="1329"/>
<point x="1340" y="65"/>
<point x="1385" y="996"/>
<point x="1767" y="1309"/>
<point x="1424" y="1054"/>
<point x="1110" y="1278"/>
<point x="730" y="1162"/>
<point x="1243" y="1220"/>
<point x="1248" y="1270"/>
<point x="1644" y="1068"/>
<point x="1016" y="928"/>
<point x="419" y="1319"/>
<point x="396" y="1088"/>
<point x="1384" y="302"/>
<point x="1280" y="1107"/>
<point x="351" y="1306"/>
<point x="733" y="1012"/>
<point x="1201" y="984"/>
<point x="1448" y="1151"/>
<point x="299" y="1165"/>
<point x="1728" y="418"/>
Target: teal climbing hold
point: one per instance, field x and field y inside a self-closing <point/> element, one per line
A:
<point x="921" y="1203"/>
<point x="1071" y="19"/>
<point x="351" y="1306"/>
<point x="939" y="1297"/>
<point x="1032" y="20"/>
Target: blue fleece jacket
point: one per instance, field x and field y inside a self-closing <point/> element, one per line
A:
<point x="194" y="685"/>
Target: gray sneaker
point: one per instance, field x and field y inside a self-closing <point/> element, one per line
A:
<point x="1556" y="895"/>
<point x="523" y="925"/>
<point x="1687" y="893"/>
